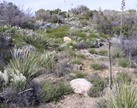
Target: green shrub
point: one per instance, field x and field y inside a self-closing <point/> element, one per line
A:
<point x="124" y="62"/>
<point x="72" y="53"/>
<point x="41" y="42"/>
<point x="17" y="40"/>
<point x="98" y="86"/>
<point x="99" y="82"/>
<point x="92" y="51"/>
<point x="80" y="34"/>
<point x="48" y="61"/>
<point x="2" y="106"/>
<point x="79" y="75"/>
<point x="71" y="45"/>
<point x="103" y="52"/>
<point x="58" y="32"/>
<point x="124" y="97"/>
<point x="76" y="62"/>
<point x="98" y="66"/>
<point x="81" y="56"/>
<point x="53" y="92"/>
<point x="123" y="78"/>
<point x="116" y="53"/>
<point x="95" y="92"/>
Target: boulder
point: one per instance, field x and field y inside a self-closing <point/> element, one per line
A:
<point x="81" y="86"/>
<point x="67" y="39"/>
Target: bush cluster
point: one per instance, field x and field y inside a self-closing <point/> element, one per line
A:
<point x="98" y="87"/>
<point x="54" y="92"/>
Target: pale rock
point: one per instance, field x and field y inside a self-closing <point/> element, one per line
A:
<point x="81" y="86"/>
<point x="67" y="39"/>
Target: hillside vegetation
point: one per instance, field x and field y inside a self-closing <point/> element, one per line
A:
<point x="41" y="55"/>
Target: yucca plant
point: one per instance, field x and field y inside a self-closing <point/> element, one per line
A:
<point x="122" y="97"/>
<point x="28" y="66"/>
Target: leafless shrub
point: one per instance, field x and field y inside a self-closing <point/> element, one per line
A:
<point x="43" y="14"/>
<point x="109" y="22"/>
<point x="26" y="98"/>
<point x="79" y="10"/>
<point x="81" y="45"/>
<point x="129" y="47"/>
<point x="11" y="14"/>
<point x="62" y="69"/>
<point x="5" y="46"/>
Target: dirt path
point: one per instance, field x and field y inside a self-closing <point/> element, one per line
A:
<point x="75" y="101"/>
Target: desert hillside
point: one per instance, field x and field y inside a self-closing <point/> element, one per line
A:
<point x="80" y="58"/>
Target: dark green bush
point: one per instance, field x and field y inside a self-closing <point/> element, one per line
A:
<point x="53" y="92"/>
<point x="99" y="66"/>
<point x="80" y="75"/>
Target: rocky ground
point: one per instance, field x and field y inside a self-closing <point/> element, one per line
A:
<point x="76" y="100"/>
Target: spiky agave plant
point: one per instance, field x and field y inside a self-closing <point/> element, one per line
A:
<point x="122" y="97"/>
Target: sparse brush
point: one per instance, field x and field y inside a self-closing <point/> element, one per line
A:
<point x="76" y="62"/>
<point x="99" y="66"/>
<point x="81" y="56"/>
<point x="124" y="78"/>
<point x="116" y="53"/>
<point x="124" y="62"/>
<point x="62" y="69"/>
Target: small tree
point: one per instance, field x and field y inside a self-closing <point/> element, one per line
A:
<point x="106" y="30"/>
